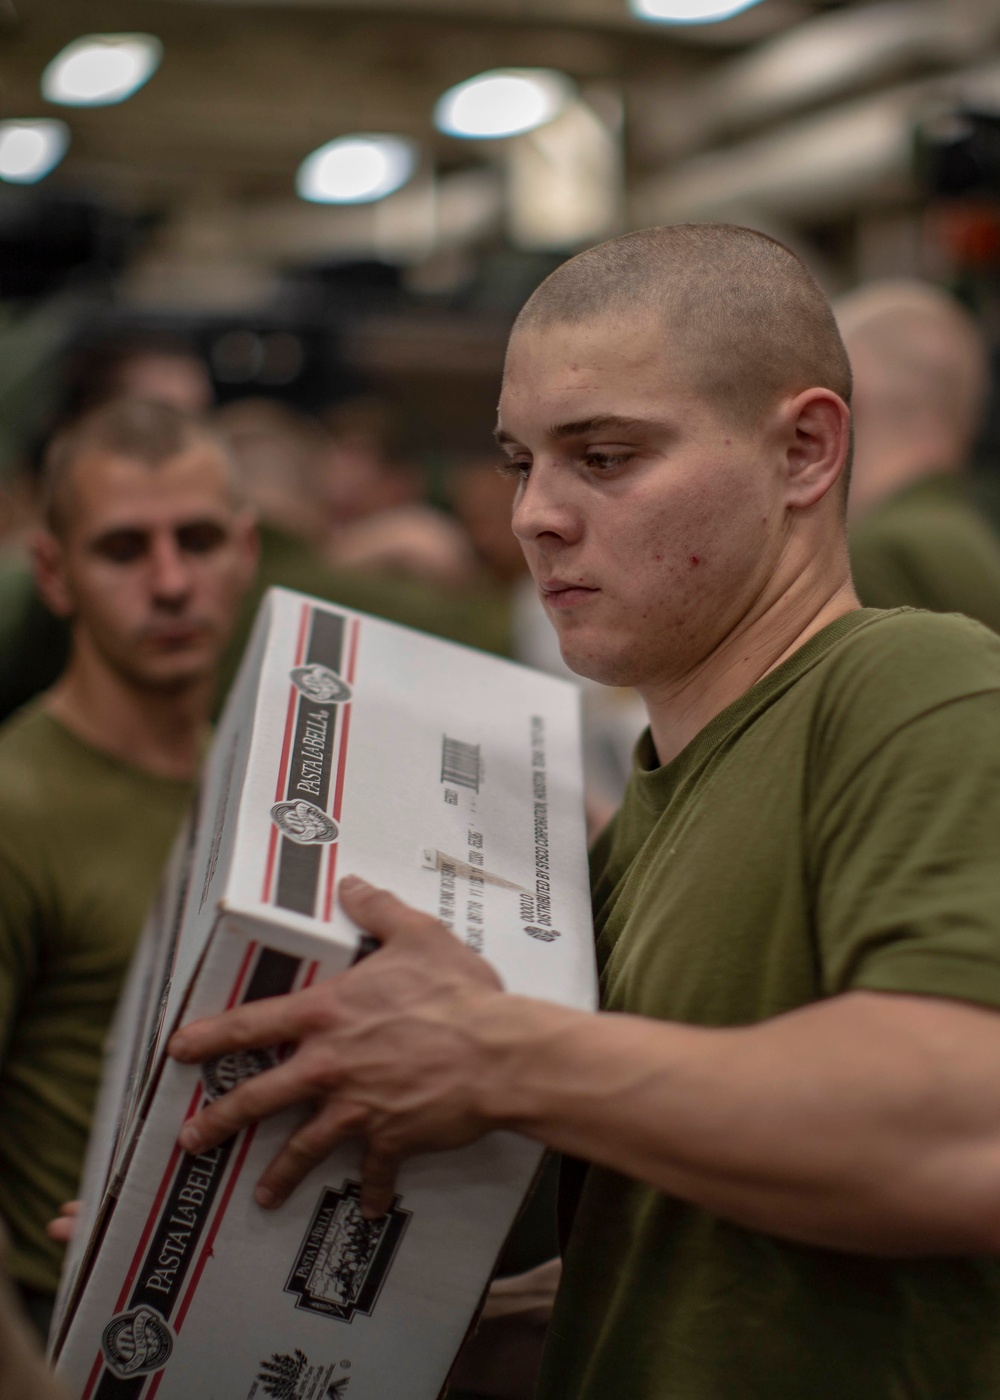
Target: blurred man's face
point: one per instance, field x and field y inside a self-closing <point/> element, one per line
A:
<point x="178" y="380"/>
<point x="650" y="523"/>
<point x="152" y="565"/>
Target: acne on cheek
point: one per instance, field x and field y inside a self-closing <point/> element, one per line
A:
<point x="693" y="559"/>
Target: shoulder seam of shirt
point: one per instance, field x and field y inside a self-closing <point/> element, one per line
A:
<point x="906" y="724"/>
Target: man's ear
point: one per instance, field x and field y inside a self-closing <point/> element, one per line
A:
<point x="49" y="567"/>
<point x="818" y="435"/>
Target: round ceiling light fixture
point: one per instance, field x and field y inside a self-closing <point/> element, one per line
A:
<point x="356" y="169"/>
<point x="30" y="149"/>
<point x="502" y="102"/>
<point x="689" y="11"/>
<point x="101" y="69"/>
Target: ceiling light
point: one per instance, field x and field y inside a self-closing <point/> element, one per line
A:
<point x="30" y="149"/>
<point x="503" y="102"/>
<point x="356" y="169"/>
<point x="688" y="11"/>
<point x="100" y="69"/>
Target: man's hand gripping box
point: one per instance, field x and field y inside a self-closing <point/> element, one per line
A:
<point x="349" y="745"/>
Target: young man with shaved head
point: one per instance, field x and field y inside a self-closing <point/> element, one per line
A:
<point x="921" y="371"/>
<point x="783" y="1129"/>
<point x="147" y="552"/>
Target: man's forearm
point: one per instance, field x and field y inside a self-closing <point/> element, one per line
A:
<point x="869" y="1122"/>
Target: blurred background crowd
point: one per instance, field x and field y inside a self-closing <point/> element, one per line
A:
<point x="311" y="225"/>
<point x="315" y="223"/>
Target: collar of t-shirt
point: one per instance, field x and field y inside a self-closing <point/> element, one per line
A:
<point x="655" y="783"/>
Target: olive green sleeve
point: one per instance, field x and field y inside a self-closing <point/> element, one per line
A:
<point x="34" y="643"/>
<point x="19" y="952"/>
<point x="907" y="859"/>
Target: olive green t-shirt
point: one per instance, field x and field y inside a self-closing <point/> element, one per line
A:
<point x="34" y="643"/>
<point x="83" y="838"/>
<point x="837" y="827"/>
<point x="929" y="546"/>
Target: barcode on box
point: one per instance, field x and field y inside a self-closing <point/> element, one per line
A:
<point x="460" y="763"/>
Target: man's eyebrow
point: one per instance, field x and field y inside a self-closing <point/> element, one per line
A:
<point x="583" y="427"/>
<point x="112" y="530"/>
<point x="605" y="422"/>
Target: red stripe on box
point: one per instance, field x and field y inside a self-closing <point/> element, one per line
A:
<point x="207" y="1247"/>
<point x="293" y="697"/>
<point x="338" y="795"/>
<point x="167" y="1178"/>
<point x="241" y="975"/>
<point x="92" y="1378"/>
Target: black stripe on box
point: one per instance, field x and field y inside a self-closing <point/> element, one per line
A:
<point x="311" y="767"/>
<point x="139" y="1336"/>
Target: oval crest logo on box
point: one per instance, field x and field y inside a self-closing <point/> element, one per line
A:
<point x="304" y="822"/>
<point x="137" y="1342"/>
<point x="225" y="1072"/>
<point x="319" y="683"/>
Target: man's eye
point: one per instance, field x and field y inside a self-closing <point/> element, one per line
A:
<point x="122" y="547"/>
<point x="513" y="467"/>
<point x="201" y="537"/>
<point x="607" y="461"/>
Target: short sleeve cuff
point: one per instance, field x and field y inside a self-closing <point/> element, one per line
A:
<point x="933" y="973"/>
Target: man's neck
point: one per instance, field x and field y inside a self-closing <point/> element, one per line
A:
<point x="160" y="732"/>
<point x="680" y="709"/>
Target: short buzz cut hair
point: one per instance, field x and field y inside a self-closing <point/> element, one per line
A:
<point x="752" y="323"/>
<point x="146" y="432"/>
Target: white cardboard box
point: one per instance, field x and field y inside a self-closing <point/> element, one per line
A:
<point x="349" y="745"/>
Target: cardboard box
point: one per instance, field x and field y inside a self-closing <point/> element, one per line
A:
<point x="452" y="778"/>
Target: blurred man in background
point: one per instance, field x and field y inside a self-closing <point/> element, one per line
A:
<point x="920" y="378"/>
<point x="160" y="368"/>
<point x="405" y="563"/>
<point x="147" y="552"/>
<point x="154" y="368"/>
<point x="378" y="518"/>
<point x="482" y="497"/>
<point x="281" y="455"/>
<point x="366" y="471"/>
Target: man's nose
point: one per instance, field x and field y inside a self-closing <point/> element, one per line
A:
<point x="171" y="570"/>
<point x="545" y="505"/>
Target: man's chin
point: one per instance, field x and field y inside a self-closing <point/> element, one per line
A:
<point x="174" y="673"/>
<point x="594" y="663"/>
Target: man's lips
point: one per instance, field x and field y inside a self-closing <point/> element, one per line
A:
<point x="176" y="635"/>
<point x="562" y="593"/>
